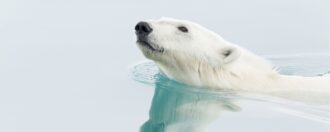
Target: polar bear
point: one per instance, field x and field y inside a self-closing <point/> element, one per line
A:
<point x="189" y="53"/>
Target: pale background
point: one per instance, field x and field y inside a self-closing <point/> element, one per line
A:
<point x="64" y="64"/>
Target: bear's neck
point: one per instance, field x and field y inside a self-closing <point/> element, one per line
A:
<point x="298" y="88"/>
<point x="243" y="76"/>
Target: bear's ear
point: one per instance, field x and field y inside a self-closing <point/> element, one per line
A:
<point x="229" y="54"/>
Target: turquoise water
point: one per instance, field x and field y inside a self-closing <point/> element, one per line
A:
<point x="177" y="107"/>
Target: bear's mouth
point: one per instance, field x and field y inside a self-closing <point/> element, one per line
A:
<point x="149" y="46"/>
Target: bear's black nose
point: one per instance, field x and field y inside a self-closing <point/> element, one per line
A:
<point x="143" y="29"/>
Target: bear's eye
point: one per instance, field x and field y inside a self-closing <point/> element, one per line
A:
<point x="183" y="29"/>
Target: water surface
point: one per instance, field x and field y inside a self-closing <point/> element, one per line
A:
<point x="177" y="107"/>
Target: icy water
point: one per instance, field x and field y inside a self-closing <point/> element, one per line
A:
<point x="177" y="107"/>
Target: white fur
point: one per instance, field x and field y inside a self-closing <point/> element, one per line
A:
<point x="198" y="58"/>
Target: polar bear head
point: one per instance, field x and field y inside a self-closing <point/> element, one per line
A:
<point x="184" y="50"/>
<point x="165" y="38"/>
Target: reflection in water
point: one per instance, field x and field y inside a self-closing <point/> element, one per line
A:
<point x="180" y="108"/>
<point x="177" y="107"/>
<point x="183" y="110"/>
